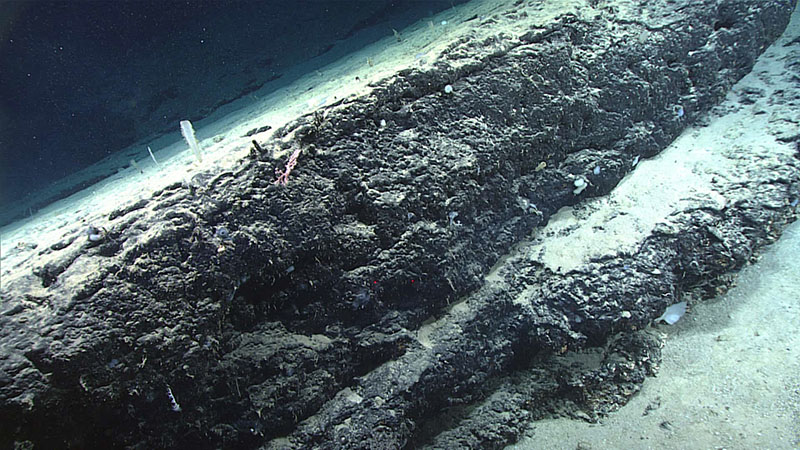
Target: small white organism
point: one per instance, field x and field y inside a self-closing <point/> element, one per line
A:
<point x="673" y="313"/>
<point x="580" y="184"/>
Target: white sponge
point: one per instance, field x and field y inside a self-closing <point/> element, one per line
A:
<point x="188" y="133"/>
<point x="673" y="313"/>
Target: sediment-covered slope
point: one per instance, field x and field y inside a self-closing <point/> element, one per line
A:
<point x="393" y="277"/>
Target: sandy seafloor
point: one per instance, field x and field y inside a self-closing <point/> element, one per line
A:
<point x="729" y="379"/>
<point x="730" y="376"/>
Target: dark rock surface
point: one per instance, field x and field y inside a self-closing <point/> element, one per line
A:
<point x="358" y="306"/>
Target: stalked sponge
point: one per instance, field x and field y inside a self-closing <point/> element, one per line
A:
<point x="188" y="133"/>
